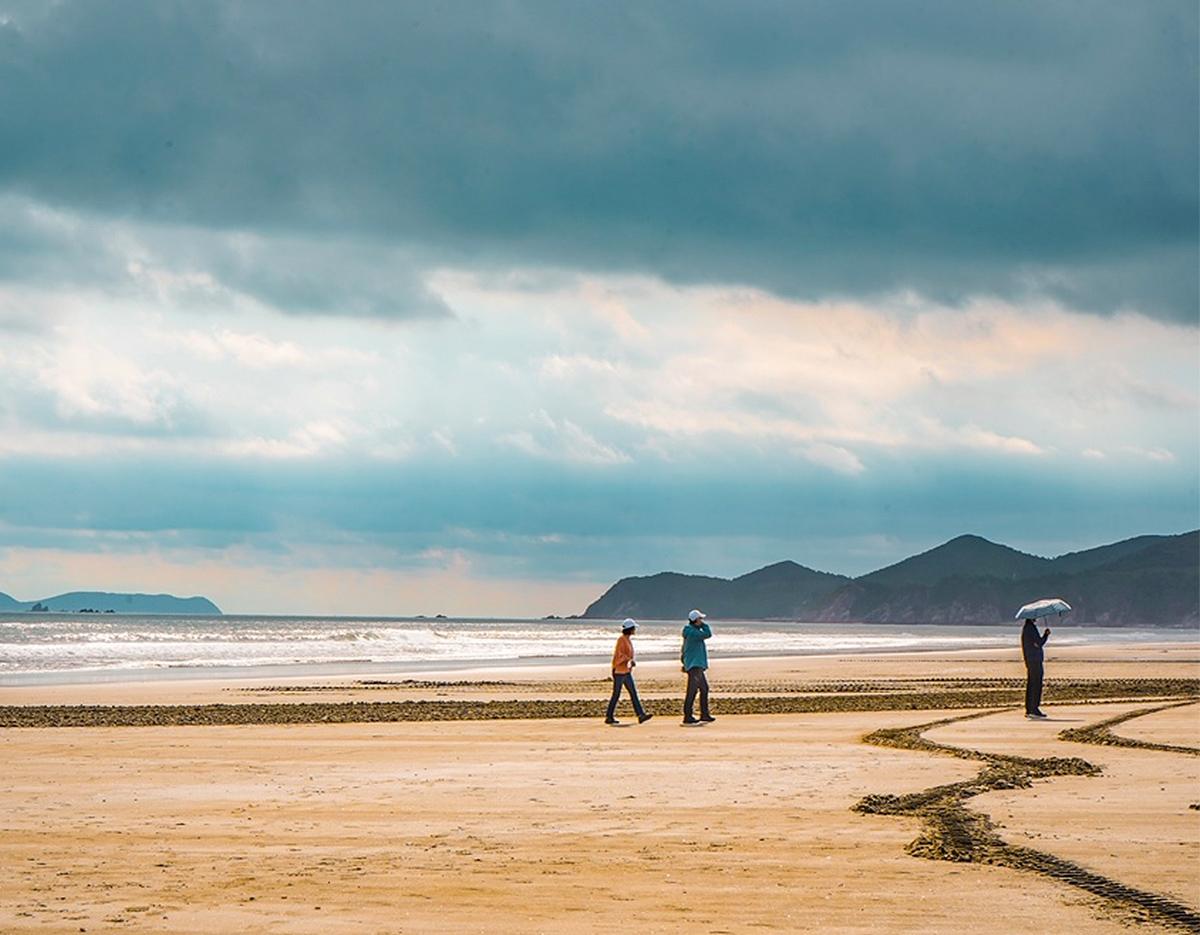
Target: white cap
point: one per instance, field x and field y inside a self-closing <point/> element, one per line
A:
<point x="629" y="624"/>
<point x="695" y="615"/>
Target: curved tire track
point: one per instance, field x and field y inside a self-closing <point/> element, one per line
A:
<point x="1101" y="733"/>
<point x="951" y="831"/>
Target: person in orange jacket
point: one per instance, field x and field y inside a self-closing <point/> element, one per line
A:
<point x="622" y="673"/>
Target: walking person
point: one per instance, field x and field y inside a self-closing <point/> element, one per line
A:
<point x="622" y="674"/>
<point x="1031" y="650"/>
<point x="694" y="658"/>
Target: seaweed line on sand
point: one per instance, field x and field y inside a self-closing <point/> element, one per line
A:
<point x="1056" y="689"/>
<point x="354" y="712"/>
<point x="951" y="831"/>
<point x="1101" y="733"/>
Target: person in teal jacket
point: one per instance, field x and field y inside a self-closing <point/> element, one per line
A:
<point x="693" y="656"/>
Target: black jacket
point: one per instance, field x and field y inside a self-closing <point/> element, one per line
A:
<point x="1032" y="642"/>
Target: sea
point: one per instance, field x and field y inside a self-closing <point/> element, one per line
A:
<point x="46" y="648"/>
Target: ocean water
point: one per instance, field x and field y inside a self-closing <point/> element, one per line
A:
<point x="87" y="647"/>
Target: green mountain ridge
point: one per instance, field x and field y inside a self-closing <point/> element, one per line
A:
<point x="963" y="555"/>
<point x="1146" y="581"/>
<point x="784" y="589"/>
<point x="121" y="603"/>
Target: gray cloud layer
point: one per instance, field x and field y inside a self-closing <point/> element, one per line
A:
<point x="298" y="275"/>
<point x="612" y="527"/>
<point x="1046" y="148"/>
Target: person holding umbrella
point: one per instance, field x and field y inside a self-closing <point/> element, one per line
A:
<point x="622" y="674"/>
<point x="1032" y="652"/>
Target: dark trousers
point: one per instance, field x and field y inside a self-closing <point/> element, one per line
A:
<point x="626" y="679"/>
<point x="696" y="683"/>
<point x="1033" y="685"/>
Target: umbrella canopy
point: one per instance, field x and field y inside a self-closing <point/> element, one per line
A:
<point x="1044" y="608"/>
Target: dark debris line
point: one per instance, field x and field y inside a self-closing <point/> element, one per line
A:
<point x="357" y="712"/>
<point x="1056" y="689"/>
<point x="951" y="831"/>
<point x="1101" y="733"/>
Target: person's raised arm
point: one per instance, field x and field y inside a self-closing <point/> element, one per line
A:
<point x="1045" y="636"/>
<point x="705" y="631"/>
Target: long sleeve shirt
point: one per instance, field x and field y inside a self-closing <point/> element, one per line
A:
<point x="623" y="655"/>
<point x="1032" y="642"/>
<point x="694" y="654"/>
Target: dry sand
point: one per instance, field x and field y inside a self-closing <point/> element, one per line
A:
<point x="564" y="825"/>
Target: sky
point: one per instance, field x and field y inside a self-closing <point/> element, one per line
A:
<point x="474" y="308"/>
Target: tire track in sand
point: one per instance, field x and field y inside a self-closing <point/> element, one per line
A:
<point x="951" y="831"/>
<point x="1101" y="733"/>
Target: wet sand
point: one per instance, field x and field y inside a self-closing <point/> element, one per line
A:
<point x="560" y="824"/>
<point x="655" y="679"/>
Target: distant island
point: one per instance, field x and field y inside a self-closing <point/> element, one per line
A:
<point x="1144" y="581"/>
<point x="104" y="602"/>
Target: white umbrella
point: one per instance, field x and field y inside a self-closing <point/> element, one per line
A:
<point x="1044" y="608"/>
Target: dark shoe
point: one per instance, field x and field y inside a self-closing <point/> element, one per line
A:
<point x="707" y="718"/>
<point x="690" y="720"/>
<point x="643" y="718"/>
<point x="611" y="720"/>
<point x="1040" y="715"/>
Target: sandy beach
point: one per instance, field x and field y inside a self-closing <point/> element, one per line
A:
<point x="556" y="823"/>
<point x="383" y="385"/>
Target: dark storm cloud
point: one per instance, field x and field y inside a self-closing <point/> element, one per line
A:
<point x="1021" y="148"/>
<point x="292" y="274"/>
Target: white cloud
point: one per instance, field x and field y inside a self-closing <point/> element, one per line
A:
<point x="1160" y="455"/>
<point x="565" y="367"/>
<point x="444" y="438"/>
<point x="313" y="438"/>
<point x="88" y="380"/>
<point x="170" y="286"/>
<point x="580" y="446"/>
<point x="974" y="437"/>
<point x="257" y="351"/>
<point x="609" y="306"/>
<point x="833" y="457"/>
<point x="562" y="440"/>
<point x="253" y="350"/>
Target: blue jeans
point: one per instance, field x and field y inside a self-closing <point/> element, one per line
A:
<point x="626" y="679"/>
